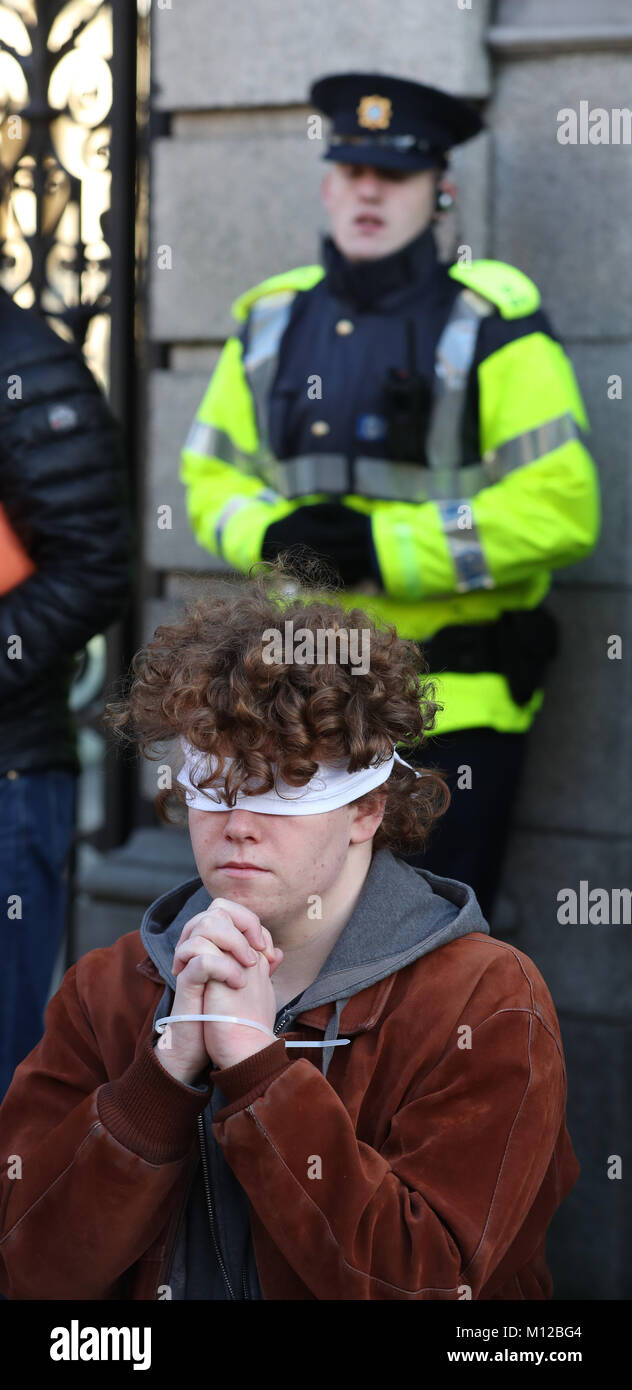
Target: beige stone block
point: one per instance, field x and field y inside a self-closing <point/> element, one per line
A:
<point x="266" y="52"/>
<point x="174" y="398"/>
<point x="562" y="211"/>
<point x="232" y="211"/>
<point x="610" y="443"/>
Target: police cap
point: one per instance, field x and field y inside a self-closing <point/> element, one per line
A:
<point x="390" y="122"/>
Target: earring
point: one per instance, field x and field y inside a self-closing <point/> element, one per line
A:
<point x="445" y="201"/>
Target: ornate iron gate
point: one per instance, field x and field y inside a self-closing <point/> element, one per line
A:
<point x="73" y="97"/>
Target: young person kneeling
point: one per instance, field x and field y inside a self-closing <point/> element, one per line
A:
<point x="387" y="1120"/>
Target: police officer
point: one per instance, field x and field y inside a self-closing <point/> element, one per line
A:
<point x="419" y="425"/>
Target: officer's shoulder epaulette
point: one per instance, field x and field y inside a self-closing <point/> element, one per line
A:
<point x="304" y="277"/>
<point x="513" y="293"/>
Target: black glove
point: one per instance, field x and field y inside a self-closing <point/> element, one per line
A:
<point x="338" y="533"/>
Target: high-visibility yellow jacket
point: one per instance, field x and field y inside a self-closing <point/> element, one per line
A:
<point x="481" y="540"/>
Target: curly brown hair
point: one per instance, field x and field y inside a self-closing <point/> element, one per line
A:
<point x="205" y="680"/>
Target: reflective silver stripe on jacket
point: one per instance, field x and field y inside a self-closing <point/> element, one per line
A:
<point x="333" y="473"/>
<point x="464" y="545"/>
<point x="408" y="482"/>
<point x="210" y="442"/>
<point x="198" y="438"/>
<point x="267" y="323"/>
<point x="235" y="505"/>
<point x="533" y="444"/>
<point x="386" y="479"/>
<point x="395" y="481"/>
<point x="213" y="443"/>
<point x="307" y="473"/>
<point x="453" y="360"/>
<point x="368" y="477"/>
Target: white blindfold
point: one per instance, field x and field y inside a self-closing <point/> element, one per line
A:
<point x="332" y="786"/>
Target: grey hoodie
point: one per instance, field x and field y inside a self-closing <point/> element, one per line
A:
<point x="423" y="912"/>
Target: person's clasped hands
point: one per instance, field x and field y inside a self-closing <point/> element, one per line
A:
<point x="223" y="964"/>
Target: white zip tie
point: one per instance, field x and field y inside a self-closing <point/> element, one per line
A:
<point x="162" y="1023"/>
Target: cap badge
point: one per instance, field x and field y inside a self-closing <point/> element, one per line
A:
<point x="374" y="112"/>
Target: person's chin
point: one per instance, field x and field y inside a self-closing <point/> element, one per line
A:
<point x="222" y="884"/>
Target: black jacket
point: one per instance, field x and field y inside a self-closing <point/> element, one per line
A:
<point x="64" y="489"/>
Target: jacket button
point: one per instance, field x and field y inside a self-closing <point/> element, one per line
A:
<point x="13" y="774"/>
<point x="320" y="427"/>
<point x="344" y="326"/>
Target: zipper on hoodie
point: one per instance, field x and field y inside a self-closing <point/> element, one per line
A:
<point x="206" y="1177"/>
<point x="211" y="1220"/>
<point x="285" y="1016"/>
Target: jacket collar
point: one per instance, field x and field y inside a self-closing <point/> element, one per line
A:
<point x="358" y="1014"/>
<point x="370" y="284"/>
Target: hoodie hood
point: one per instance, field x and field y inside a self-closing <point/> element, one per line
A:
<point x="402" y="913"/>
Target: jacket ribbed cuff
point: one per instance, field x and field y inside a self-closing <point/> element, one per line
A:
<point x="249" y="1079"/>
<point x="149" y="1112"/>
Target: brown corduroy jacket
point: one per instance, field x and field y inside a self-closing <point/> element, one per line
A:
<point x="440" y="1130"/>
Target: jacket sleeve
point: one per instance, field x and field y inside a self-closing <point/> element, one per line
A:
<point x="541" y="513"/>
<point x="64" y="487"/>
<point x="228" y="504"/>
<point x="88" y="1162"/>
<point x="436" y="1207"/>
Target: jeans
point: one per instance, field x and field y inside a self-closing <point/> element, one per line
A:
<point x="37" y="817"/>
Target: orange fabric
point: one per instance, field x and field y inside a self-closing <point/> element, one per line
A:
<point x="15" y="562"/>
